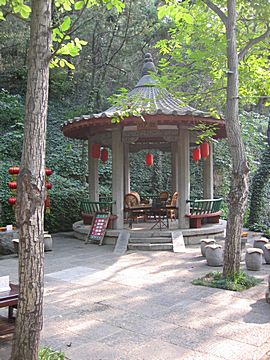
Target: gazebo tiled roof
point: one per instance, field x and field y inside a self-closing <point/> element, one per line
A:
<point x="156" y="104"/>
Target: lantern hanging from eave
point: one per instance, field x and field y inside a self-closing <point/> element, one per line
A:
<point x="14" y="170"/>
<point x="196" y="154"/>
<point x="95" y="151"/>
<point x="104" y="155"/>
<point x="47" y="204"/>
<point x="12" y="200"/>
<point x="204" y="150"/>
<point x="48" y="172"/>
<point x="149" y="159"/>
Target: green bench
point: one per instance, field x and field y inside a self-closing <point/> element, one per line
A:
<point x="89" y="208"/>
<point x="206" y="210"/>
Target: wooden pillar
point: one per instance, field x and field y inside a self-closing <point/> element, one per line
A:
<point x="183" y="178"/>
<point x="93" y="180"/>
<point x="174" y="170"/>
<point x="118" y="177"/>
<point x="208" y="175"/>
<point x="126" y="169"/>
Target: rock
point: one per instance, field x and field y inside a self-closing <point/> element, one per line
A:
<point x="254" y="259"/>
<point x="267" y="295"/>
<point x="214" y="255"/>
<point x="6" y="244"/>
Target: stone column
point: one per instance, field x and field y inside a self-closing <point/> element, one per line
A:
<point x="174" y="161"/>
<point x="183" y="178"/>
<point x="126" y="169"/>
<point x="93" y="180"/>
<point x="118" y="177"/>
<point x="208" y="175"/>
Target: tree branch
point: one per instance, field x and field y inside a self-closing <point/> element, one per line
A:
<point x="253" y="42"/>
<point x="217" y="10"/>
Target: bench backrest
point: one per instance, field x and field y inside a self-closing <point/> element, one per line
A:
<point x="204" y="206"/>
<point x="91" y="207"/>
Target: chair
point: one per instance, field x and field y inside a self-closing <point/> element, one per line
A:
<point x="132" y="200"/>
<point x="164" y="196"/>
<point x="172" y="214"/>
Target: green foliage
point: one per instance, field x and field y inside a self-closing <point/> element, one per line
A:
<point x="205" y="132"/>
<point x="235" y="282"/>
<point x="49" y="354"/>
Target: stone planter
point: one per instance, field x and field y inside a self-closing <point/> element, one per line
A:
<point x="260" y="242"/>
<point x="204" y="243"/>
<point x="214" y="255"/>
<point x="254" y="259"/>
<point x="47" y="242"/>
<point x="266" y="252"/>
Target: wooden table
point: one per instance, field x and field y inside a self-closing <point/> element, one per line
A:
<point x="158" y="211"/>
<point x="10" y="298"/>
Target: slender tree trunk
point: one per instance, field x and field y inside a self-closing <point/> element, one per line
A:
<point x="239" y="179"/>
<point x="31" y="188"/>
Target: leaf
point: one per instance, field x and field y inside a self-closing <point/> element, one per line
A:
<point x="62" y="63"/>
<point x="78" y="5"/>
<point x="71" y="66"/>
<point x="65" y="24"/>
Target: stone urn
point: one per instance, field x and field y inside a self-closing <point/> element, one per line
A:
<point x="204" y="243"/>
<point x="266" y="252"/>
<point x="47" y="242"/>
<point x="260" y="242"/>
<point x="214" y="255"/>
<point x="254" y="259"/>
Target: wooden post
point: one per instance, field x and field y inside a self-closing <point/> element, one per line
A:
<point x="208" y="176"/>
<point x="93" y="180"/>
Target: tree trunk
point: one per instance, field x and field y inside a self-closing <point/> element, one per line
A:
<point x="259" y="183"/>
<point x="31" y="188"/>
<point x="239" y="180"/>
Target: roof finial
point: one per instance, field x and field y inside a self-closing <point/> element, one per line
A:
<point x="148" y="65"/>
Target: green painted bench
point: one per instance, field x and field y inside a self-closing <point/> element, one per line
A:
<point x="207" y="210"/>
<point x="89" y="208"/>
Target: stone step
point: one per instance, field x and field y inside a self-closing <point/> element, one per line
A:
<point x="150" y="240"/>
<point x="150" y="233"/>
<point x="151" y="247"/>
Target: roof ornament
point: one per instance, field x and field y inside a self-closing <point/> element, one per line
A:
<point x="148" y="65"/>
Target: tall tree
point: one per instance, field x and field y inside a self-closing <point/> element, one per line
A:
<point x="31" y="188"/>
<point x="210" y="57"/>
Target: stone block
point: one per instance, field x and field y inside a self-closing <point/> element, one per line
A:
<point x="254" y="259"/>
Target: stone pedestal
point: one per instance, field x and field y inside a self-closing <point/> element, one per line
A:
<point x="214" y="255"/>
<point x="254" y="259"/>
<point x="267" y="295"/>
<point x="204" y="243"/>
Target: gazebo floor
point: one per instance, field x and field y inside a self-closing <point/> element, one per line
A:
<point x="143" y="230"/>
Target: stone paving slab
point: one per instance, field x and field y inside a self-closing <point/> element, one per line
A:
<point x="142" y="305"/>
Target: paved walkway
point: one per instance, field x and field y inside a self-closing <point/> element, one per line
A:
<point x="143" y="306"/>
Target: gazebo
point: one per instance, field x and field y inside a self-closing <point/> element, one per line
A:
<point x="160" y="121"/>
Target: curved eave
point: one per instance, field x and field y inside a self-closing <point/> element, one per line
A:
<point x="85" y="126"/>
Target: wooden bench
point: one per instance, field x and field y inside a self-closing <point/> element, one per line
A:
<point x="89" y="208"/>
<point x="207" y="210"/>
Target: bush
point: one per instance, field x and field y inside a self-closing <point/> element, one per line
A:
<point x="49" y="354"/>
<point x="236" y="282"/>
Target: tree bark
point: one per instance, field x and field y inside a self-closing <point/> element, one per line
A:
<point x="31" y="188"/>
<point x="239" y="179"/>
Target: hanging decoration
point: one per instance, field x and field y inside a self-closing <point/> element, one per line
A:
<point x="104" y="155"/>
<point x="14" y="170"/>
<point x="196" y="154"/>
<point x="149" y="159"/>
<point x="204" y="147"/>
<point x="47" y="203"/>
<point x="12" y="200"/>
<point x="95" y="151"/>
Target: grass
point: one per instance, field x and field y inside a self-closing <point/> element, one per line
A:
<point x="49" y="354"/>
<point x="236" y="282"/>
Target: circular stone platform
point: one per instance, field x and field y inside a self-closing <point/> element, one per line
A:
<point x="191" y="236"/>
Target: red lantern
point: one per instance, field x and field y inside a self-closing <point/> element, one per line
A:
<point x="149" y="159"/>
<point x="12" y="200"/>
<point x="104" y="155"/>
<point x="47" y="204"/>
<point x="48" y="186"/>
<point x="12" y="185"/>
<point x="48" y="172"/>
<point x="204" y="150"/>
<point x="95" y="151"/>
<point x="196" y="154"/>
<point x="14" y="170"/>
